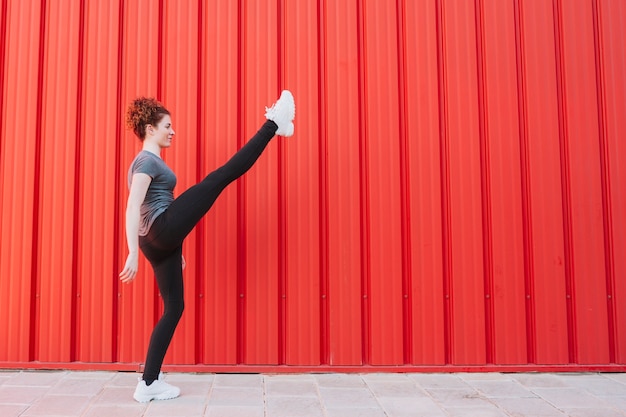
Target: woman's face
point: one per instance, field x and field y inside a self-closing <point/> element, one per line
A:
<point x="162" y="133"/>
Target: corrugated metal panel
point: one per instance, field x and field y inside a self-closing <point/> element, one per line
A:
<point x="452" y="196"/>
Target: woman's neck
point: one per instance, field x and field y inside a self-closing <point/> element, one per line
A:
<point x="152" y="147"/>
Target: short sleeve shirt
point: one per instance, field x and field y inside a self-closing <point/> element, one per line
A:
<point x="160" y="193"/>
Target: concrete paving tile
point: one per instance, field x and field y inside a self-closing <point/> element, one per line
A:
<point x="356" y="412"/>
<point x="289" y="377"/>
<point x="406" y="388"/>
<point x="597" y="385"/>
<point x="187" y="377"/>
<point x="484" y="376"/>
<point x="125" y="379"/>
<point x="528" y="407"/>
<point x="294" y="407"/>
<point x="112" y="410"/>
<point x="340" y="380"/>
<point x="457" y="397"/>
<point x="192" y="388"/>
<point x="438" y="380"/>
<point x="347" y="398"/>
<point x="381" y="377"/>
<point x="21" y="395"/>
<point x="483" y="411"/>
<point x="501" y="389"/>
<point x="616" y="376"/>
<point x="539" y="380"/>
<point x="233" y="396"/>
<point x="115" y="395"/>
<point x="92" y="375"/>
<point x="12" y="410"/>
<point x="36" y="378"/>
<point x="238" y="380"/>
<point x="569" y="398"/>
<point x="592" y="412"/>
<point x="58" y="405"/>
<point x="234" y="411"/>
<point x="410" y="407"/>
<point x="177" y="407"/>
<point x="619" y="403"/>
<point x="302" y="388"/>
<point x="78" y="386"/>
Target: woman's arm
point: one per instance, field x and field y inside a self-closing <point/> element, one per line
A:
<point x="138" y="190"/>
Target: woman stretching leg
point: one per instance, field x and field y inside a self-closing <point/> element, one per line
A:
<point x="158" y="224"/>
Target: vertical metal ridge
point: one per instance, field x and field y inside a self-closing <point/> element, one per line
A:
<point x="282" y="195"/>
<point x="117" y="215"/>
<point x="565" y="182"/>
<point x="364" y="184"/>
<point x="323" y="185"/>
<point x="529" y="274"/>
<point x="605" y="178"/>
<point x="78" y="181"/>
<point x="445" y="181"/>
<point x="241" y="186"/>
<point x="35" y="273"/>
<point x="3" y="51"/>
<point x="485" y="168"/>
<point x="201" y="226"/>
<point x="405" y="220"/>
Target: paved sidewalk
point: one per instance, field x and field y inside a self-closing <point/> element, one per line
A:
<point x="96" y="394"/>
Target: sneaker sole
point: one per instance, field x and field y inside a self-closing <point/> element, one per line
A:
<point x="148" y="398"/>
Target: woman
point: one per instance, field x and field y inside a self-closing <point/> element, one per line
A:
<point x="157" y="223"/>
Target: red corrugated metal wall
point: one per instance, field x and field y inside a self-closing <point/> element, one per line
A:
<point x="455" y="193"/>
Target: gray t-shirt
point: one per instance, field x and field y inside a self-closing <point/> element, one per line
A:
<point x="160" y="192"/>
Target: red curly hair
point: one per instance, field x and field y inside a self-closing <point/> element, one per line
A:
<point x="144" y="111"/>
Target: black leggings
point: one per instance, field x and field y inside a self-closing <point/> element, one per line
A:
<point x="163" y="244"/>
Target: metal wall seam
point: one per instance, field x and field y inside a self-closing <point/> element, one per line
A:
<point x="301" y="181"/>
<point x="179" y="93"/>
<point x="17" y="178"/>
<point x="283" y="228"/>
<point x="527" y="218"/>
<point x="36" y="221"/>
<point x="222" y="322"/>
<point x="444" y="155"/>
<point x="424" y="184"/>
<point x="467" y="284"/>
<point x="565" y="181"/>
<point x="76" y="284"/>
<point x="200" y="249"/>
<point x="545" y="191"/>
<point x="485" y="186"/>
<point x="117" y="195"/>
<point x="405" y="224"/>
<point x="611" y="17"/>
<point x="588" y="258"/>
<point x="322" y="127"/>
<point x="502" y="156"/>
<point x="345" y="295"/>
<point x="261" y="191"/>
<point x="366" y="343"/>
<point x="242" y="252"/>
<point x="56" y="170"/>
<point x="137" y="302"/>
<point x="605" y="180"/>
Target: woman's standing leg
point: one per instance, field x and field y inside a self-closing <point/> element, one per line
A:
<point x="169" y="278"/>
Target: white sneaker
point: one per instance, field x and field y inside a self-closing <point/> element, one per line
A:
<point x="282" y="113"/>
<point x="158" y="390"/>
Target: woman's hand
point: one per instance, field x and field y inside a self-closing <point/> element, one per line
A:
<point x="182" y="261"/>
<point x="129" y="272"/>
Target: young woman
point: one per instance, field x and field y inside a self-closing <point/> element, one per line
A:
<point x="158" y="223"/>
